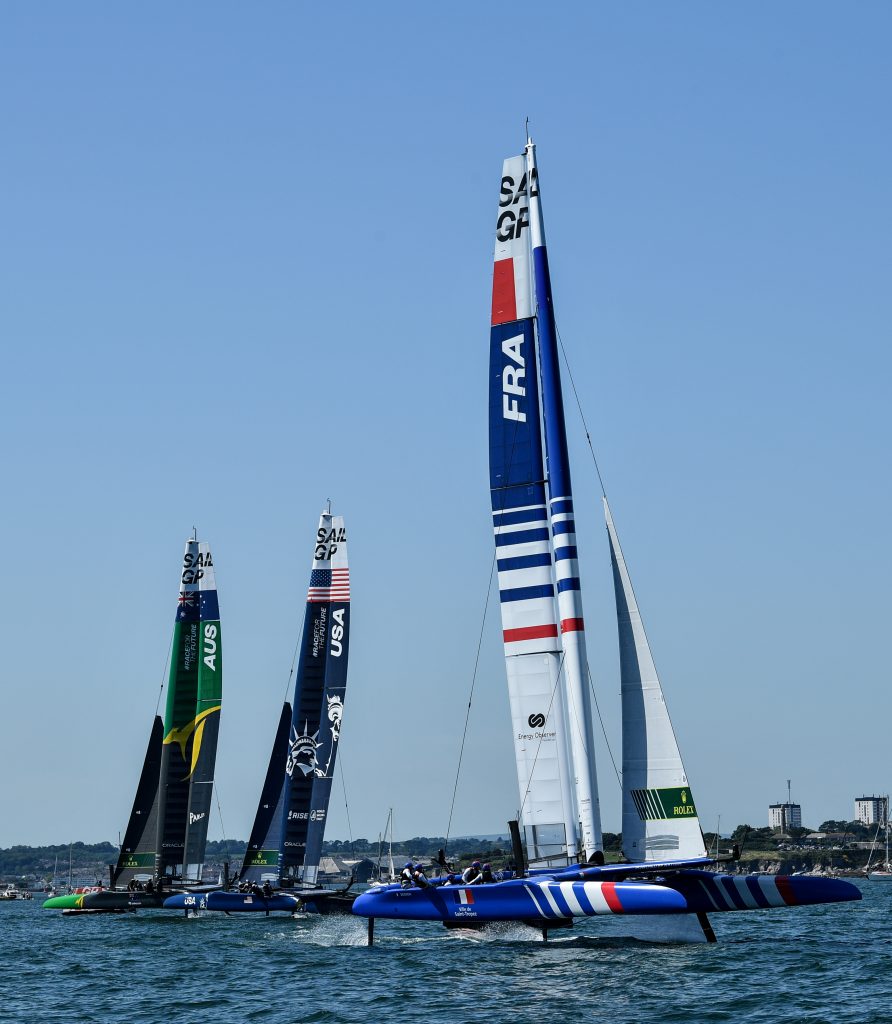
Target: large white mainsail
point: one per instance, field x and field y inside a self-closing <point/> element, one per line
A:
<point x="659" y="815"/>
<point x="523" y="540"/>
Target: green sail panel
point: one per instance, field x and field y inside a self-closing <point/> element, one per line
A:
<point x="207" y="717"/>
<point x="179" y="721"/>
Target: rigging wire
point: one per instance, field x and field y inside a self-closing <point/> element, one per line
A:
<point x="346" y="805"/>
<point x="591" y="686"/>
<point x="464" y="734"/>
<point x="300" y="634"/>
<point x="591" y="448"/>
<point x="588" y="436"/>
<point x="164" y="673"/>
<point x="220" y="815"/>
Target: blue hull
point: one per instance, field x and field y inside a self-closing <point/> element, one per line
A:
<point x="559" y="898"/>
<point x="231" y="902"/>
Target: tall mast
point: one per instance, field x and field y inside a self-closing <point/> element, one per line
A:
<point x="563" y="529"/>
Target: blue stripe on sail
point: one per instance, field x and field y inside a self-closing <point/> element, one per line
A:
<point x="524" y="515"/>
<point x="524" y="561"/>
<point x="561" y="506"/>
<point x="569" y="584"/>
<point x="526" y="593"/>
<point x="561" y="900"/>
<point x="570" y="551"/>
<point x="521" y="537"/>
<point x="566" y="526"/>
<point x="753" y="885"/>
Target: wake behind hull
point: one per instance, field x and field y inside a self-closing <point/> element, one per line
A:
<point x="539" y="901"/>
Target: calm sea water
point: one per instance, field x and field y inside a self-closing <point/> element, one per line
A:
<point x="813" y="964"/>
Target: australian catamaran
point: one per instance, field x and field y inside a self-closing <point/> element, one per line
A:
<point x="281" y="864"/>
<point x="666" y="868"/>
<point x="164" y="844"/>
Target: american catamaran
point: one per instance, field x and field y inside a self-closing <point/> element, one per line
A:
<point x="164" y="843"/>
<point x="667" y="869"/>
<point x="281" y="865"/>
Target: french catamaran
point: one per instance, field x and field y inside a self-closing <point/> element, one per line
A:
<point x="666" y="868"/>
<point x="281" y="866"/>
<point x="164" y="843"/>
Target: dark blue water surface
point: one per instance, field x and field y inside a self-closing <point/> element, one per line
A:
<point x="812" y="964"/>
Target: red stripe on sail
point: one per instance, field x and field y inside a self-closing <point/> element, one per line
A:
<point x="608" y="890"/>
<point x="785" y="888"/>
<point x="529" y="633"/>
<point x="572" y="625"/>
<point x="504" y="299"/>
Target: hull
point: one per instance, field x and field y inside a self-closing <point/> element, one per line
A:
<point x="536" y="901"/>
<point x="530" y="900"/>
<point x="324" y="902"/>
<point x="107" y="900"/>
<point x="232" y="902"/>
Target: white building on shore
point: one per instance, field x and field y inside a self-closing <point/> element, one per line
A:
<point x="872" y="810"/>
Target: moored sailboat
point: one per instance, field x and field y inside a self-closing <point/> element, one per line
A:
<point x="164" y="842"/>
<point x="665" y="871"/>
<point x="281" y="865"/>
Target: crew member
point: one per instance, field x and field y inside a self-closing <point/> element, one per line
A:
<point x="419" y="877"/>
<point x="473" y="874"/>
<point x="486" y="873"/>
<point x="406" y="879"/>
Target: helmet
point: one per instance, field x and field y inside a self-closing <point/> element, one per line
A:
<point x="487" y="867"/>
<point x="408" y="864"/>
<point x="476" y="864"/>
<point x="418" y="867"/>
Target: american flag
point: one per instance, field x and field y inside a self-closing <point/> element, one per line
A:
<point x="329" y="585"/>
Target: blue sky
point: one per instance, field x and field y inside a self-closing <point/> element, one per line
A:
<point x="246" y="267"/>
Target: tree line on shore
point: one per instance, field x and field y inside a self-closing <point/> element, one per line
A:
<point x="51" y="863"/>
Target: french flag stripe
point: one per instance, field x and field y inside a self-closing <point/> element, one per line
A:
<point x="609" y="891"/>
<point x="465" y="897"/>
<point x="572" y="625"/>
<point x="512" y="636"/>
<point x="504" y="296"/>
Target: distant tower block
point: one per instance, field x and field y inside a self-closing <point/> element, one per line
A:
<point x="872" y="810"/>
<point x="783" y="817"/>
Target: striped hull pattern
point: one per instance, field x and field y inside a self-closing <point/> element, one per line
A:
<point x="541" y="900"/>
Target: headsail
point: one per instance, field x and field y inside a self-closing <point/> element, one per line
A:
<point x="137" y="856"/>
<point x="263" y="857"/>
<point x="318" y="704"/>
<point x="659" y="815"/>
<point x="523" y="542"/>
